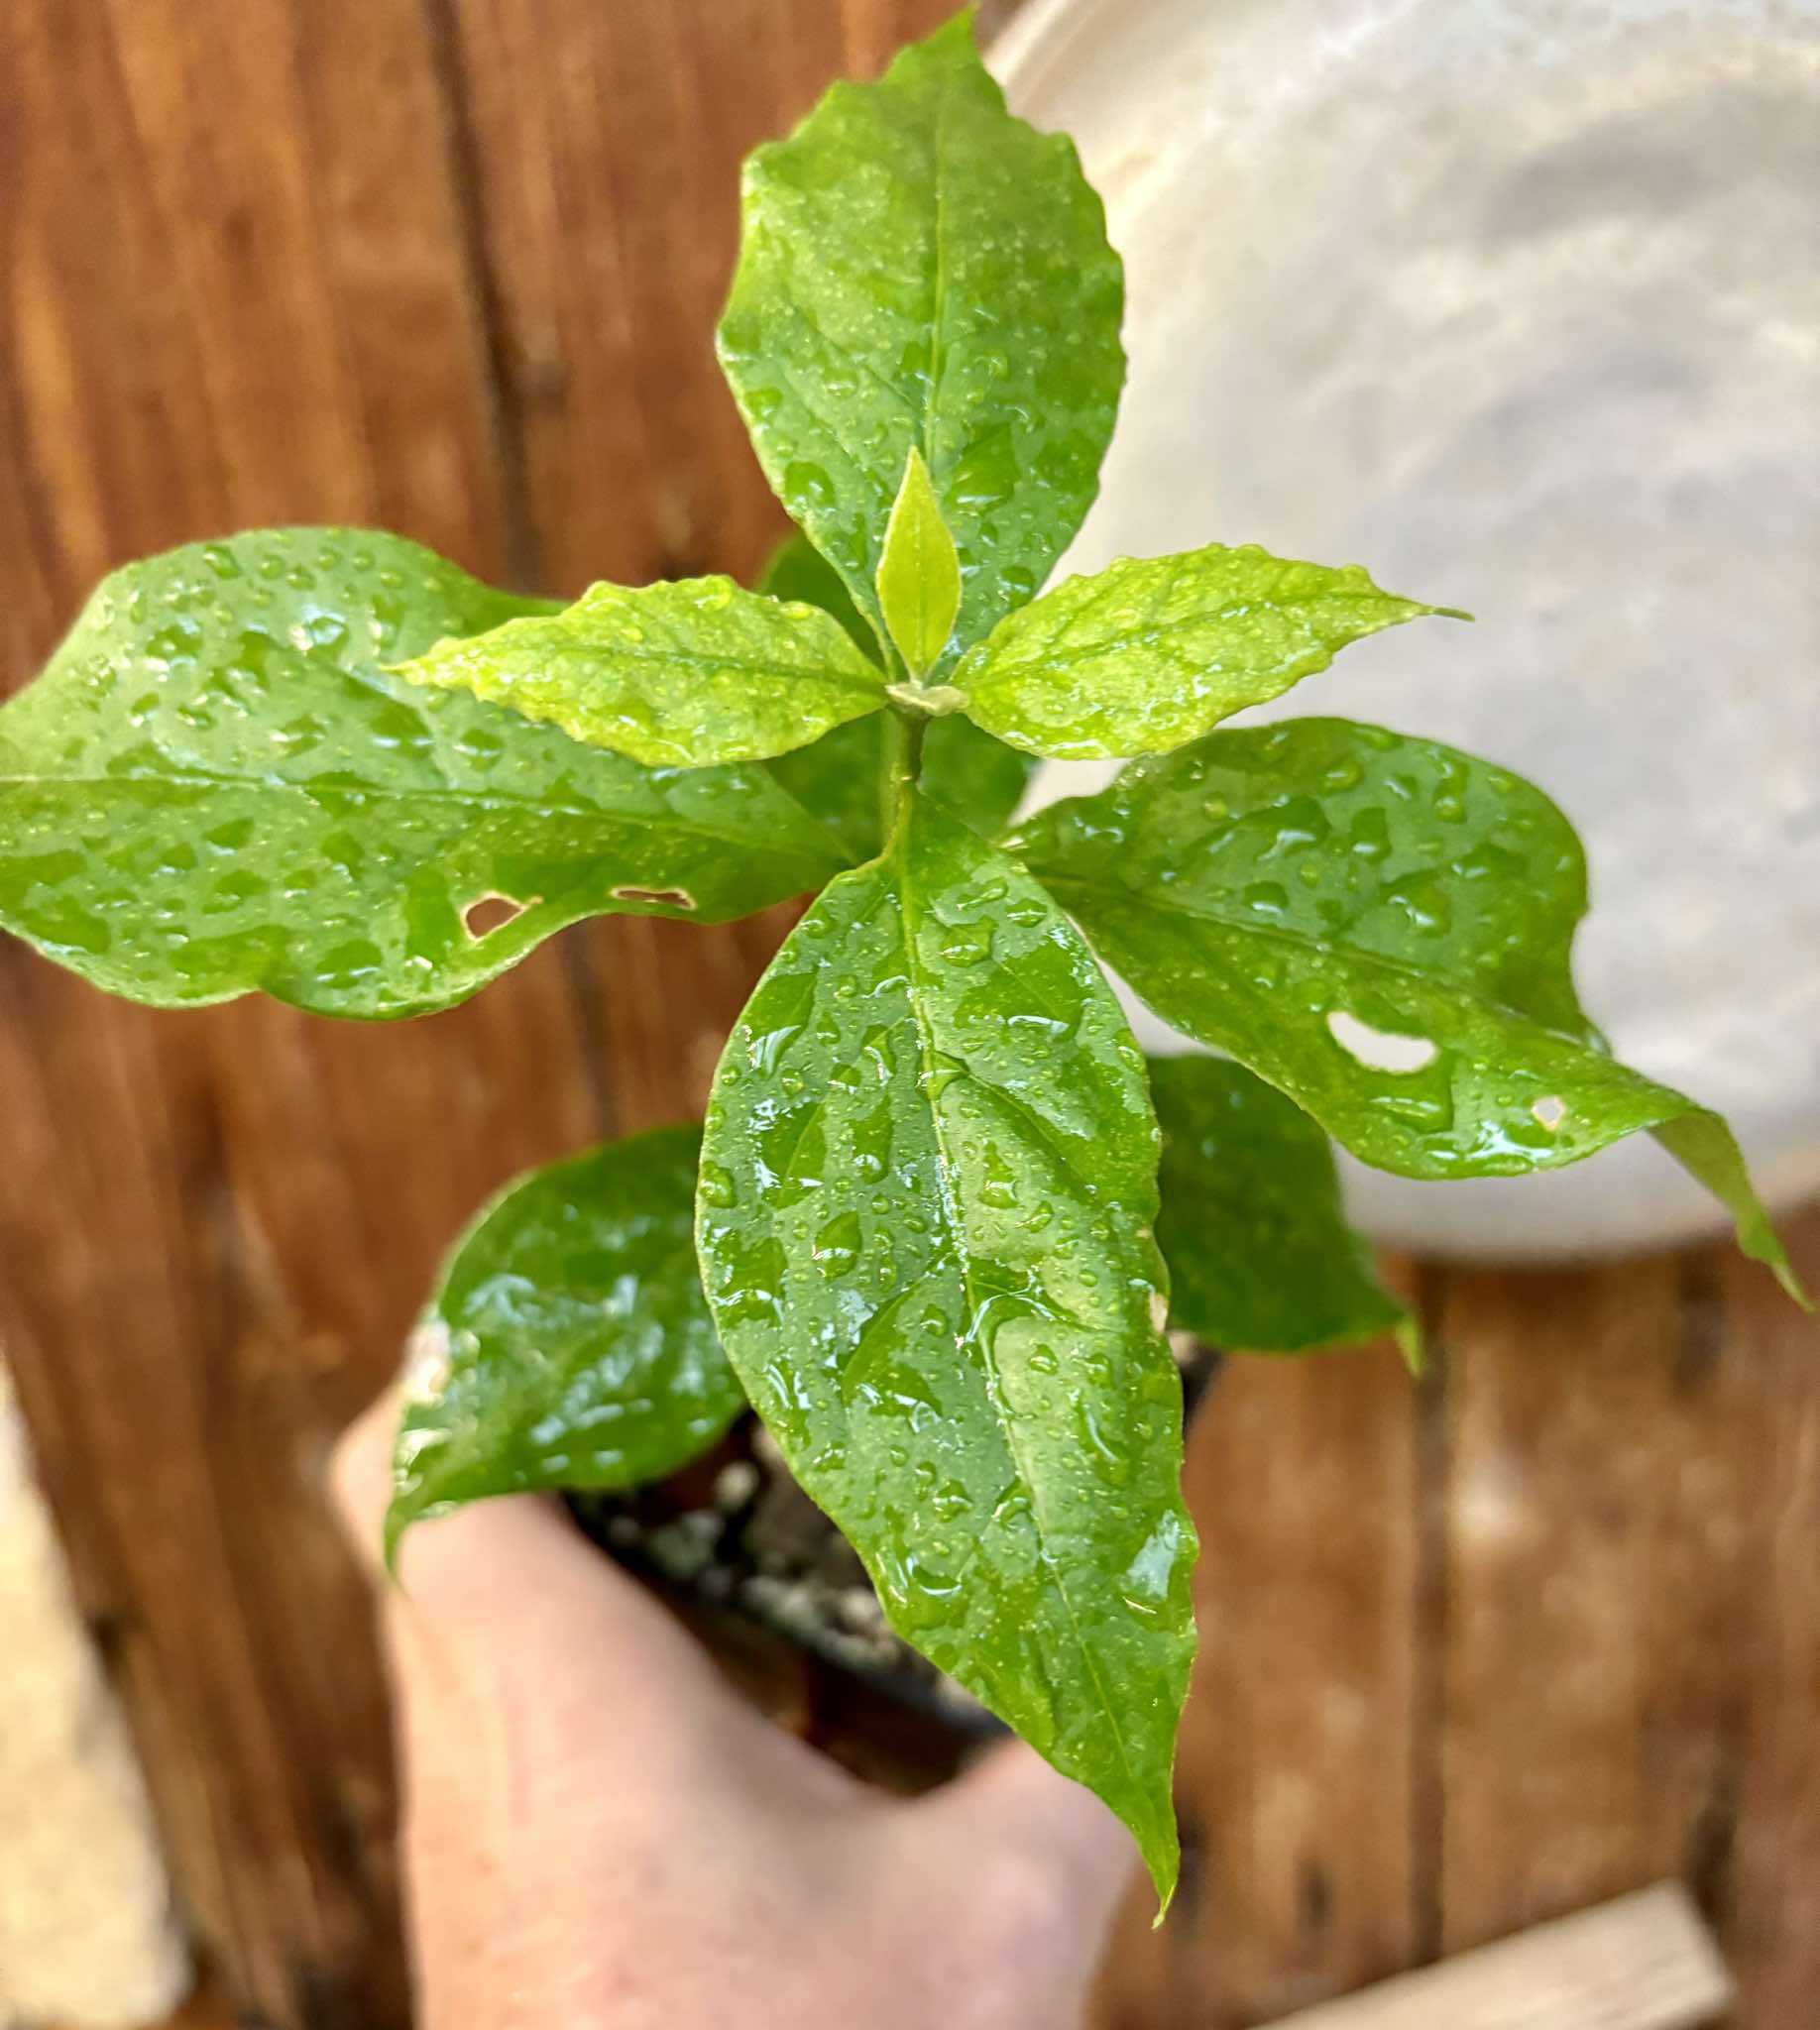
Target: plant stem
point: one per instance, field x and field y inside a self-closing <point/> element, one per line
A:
<point x="903" y="764"/>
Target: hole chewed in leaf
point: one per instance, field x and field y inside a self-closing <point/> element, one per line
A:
<point x="1380" y="1049"/>
<point x="667" y="898"/>
<point x="489" y="913"/>
<point x="428" y="1362"/>
<point x="1551" y="1112"/>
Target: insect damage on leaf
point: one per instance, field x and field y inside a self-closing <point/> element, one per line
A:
<point x="216" y="786"/>
<point x="1380" y="926"/>
<point x="330" y="766"/>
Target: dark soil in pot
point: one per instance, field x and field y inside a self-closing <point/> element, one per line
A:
<point x="774" y="1589"/>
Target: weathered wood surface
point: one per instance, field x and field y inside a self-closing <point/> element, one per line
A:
<point x="1642" y="1962"/>
<point x="1482" y="1653"/>
<point x="1541" y="1632"/>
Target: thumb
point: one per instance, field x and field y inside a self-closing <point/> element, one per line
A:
<point x="1047" y="1860"/>
<point x="506" y="1595"/>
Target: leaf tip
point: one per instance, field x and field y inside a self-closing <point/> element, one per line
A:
<point x="918" y="580"/>
<point x="399" y="1518"/>
<point x="1413" y="1344"/>
<point x="1165" y="1866"/>
<point x="1784" y="1271"/>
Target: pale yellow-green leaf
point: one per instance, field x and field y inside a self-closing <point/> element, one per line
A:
<point x="686" y="674"/>
<point x="919" y="574"/>
<point x="1154" y="652"/>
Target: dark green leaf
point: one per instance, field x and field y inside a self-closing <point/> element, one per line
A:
<point x="685" y="673"/>
<point x="1155" y="652"/>
<point x="1260" y="1257"/>
<point x="214" y="787"/>
<point x="919" y="575"/>
<point x="980" y="779"/>
<point x="1380" y="926"/>
<point x="797" y="570"/>
<point x="918" y="269"/>
<point x="569" y="1345"/>
<point x="840" y="778"/>
<point x="927" y="1193"/>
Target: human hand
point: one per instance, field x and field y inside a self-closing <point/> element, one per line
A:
<point x="600" y="1833"/>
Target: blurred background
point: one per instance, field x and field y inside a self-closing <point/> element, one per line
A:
<point x="1476" y="1651"/>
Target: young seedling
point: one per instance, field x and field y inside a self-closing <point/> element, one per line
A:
<point x="327" y="765"/>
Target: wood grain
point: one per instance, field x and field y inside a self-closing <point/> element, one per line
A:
<point x="604" y="145"/>
<point x="1632" y="1676"/>
<point x="237" y="290"/>
<point x="1642" y="1962"/>
<point x="1540" y="1633"/>
<point x="1296" y="1775"/>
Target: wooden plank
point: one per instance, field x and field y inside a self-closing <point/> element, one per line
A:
<point x="1645" y="1962"/>
<point x="249" y="281"/>
<point x="1296" y="1773"/>
<point x="240" y="289"/>
<point x="243" y="287"/>
<point x="605" y="146"/>
<point x="1630" y="1653"/>
<point x="1764" y="1879"/>
<point x="85" y="1926"/>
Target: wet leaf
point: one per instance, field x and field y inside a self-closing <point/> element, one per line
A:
<point x="215" y="787"/>
<point x="1155" y="652"/>
<point x="687" y="673"/>
<point x="919" y="575"/>
<point x="1261" y="1259"/>
<point x="569" y="1345"/>
<point x="797" y="570"/>
<point x="928" y="1185"/>
<point x="1380" y="926"/>
<point x="918" y="269"/>
<point x="842" y="777"/>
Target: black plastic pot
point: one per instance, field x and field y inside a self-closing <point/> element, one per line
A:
<point x="753" y="1567"/>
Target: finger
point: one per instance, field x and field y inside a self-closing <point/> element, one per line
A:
<point x="507" y="1591"/>
<point x="1020" y="1819"/>
<point x="505" y="1606"/>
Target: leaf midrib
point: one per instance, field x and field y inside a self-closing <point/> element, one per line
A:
<point x="963" y="1255"/>
<point x="193" y="778"/>
<point x="938" y="287"/>
<point x="577" y="648"/>
<point x="1301" y="942"/>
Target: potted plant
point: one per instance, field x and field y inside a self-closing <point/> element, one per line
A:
<point x="929" y="1203"/>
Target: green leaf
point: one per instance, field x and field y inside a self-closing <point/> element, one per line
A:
<point x="1261" y="1259"/>
<point x="980" y="779"/>
<point x="685" y="674"/>
<point x="968" y="772"/>
<point x="569" y="1345"/>
<point x="965" y="770"/>
<point x="1380" y="926"/>
<point x="1155" y="652"/>
<point x="797" y="570"/>
<point x="920" y="271"/>
<point x="928" y="1185"/>
<point x="215" y="787"/>
<point x="919" y="575"/>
